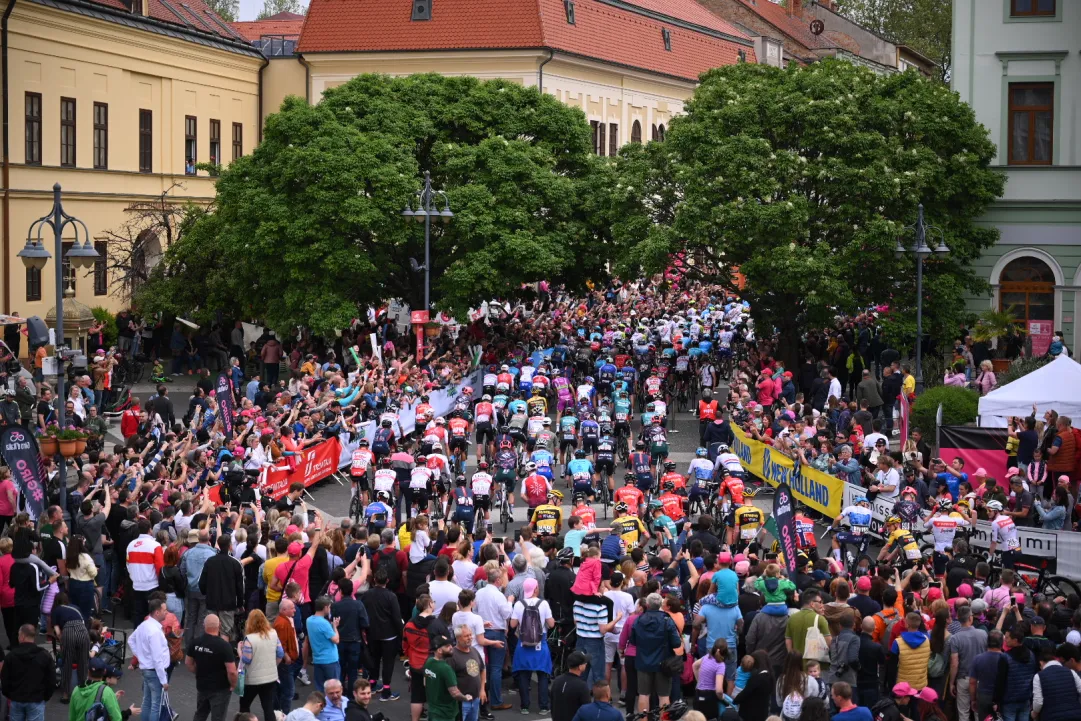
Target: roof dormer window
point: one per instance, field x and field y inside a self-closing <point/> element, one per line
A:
<point x="422" y="9"/>
<point x="666" y="35"/>
<point x="568" y="7"/>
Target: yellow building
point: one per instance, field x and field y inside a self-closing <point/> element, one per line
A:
<point x="113" y="102"/>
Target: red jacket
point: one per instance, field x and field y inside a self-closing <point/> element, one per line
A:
<point x="129" y="422"/>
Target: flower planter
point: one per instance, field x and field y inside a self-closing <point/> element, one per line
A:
<point x="48" y="446"/>
<point x="1000" y="365"/>
<point x="67" y="448"/>
<point x="80" y="446"/>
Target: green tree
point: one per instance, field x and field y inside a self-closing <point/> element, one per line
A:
<point x="307" y="230"/>
<point x="228" y="10"/>
<point x="804" y="180"/>
<point x="273" y="7"/>
<point x="922" y="24"/>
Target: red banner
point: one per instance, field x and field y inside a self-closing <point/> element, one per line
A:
<point x="313" y="465"/>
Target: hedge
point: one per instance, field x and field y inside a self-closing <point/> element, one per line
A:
<point x="959" y="406"/>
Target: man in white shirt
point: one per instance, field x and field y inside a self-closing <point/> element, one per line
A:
<point x="149" y="645"/>
<point x="494" y="608"/>
<point x="835" y="386"/>
<point x="441" y="590"/>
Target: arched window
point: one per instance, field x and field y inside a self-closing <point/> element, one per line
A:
<point x="636" y="132"/>
<point x="660" y="132"/>
<point x="1027" y="284"/>
<point x="654" y="135"/>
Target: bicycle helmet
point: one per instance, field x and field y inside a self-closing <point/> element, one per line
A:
<point x="675" y="711"/>
<point x="580" y="453"/>
<point x="723" y="448"/>
<point x="537" y="391"/>
<point x="565" y="554"/>
<point x="546" y="422"/>
<point x="363" y="443"/>
<point x="459" y="480"/>
<point x="482" y="465"/>
<point x="421" y="458"/>
<point x="424" y="398"/>
<point x="656" y="420"/>
<point x="621" y="507"/>
<point x="530" y="467"/>
<point x="553" y="493"/>
<point x="994" y="506"/>
<point x="468" y="390"/>
<point x="945" y="505"/>
<point x="542" y="443"/>
<point x="441" y="421"/>
<point x="385" y="423"/>
<point x="893" y="520"/>
<point x="669" y="486"/>
<point x="701" y="453"/>
<point x="504" y="429"/>
<point x="486" y="398"/>
<point x="385" y="462"/>
<point x="669" y="465"/>
<point x="639" y="445"/>
<point x="655" y="505"/>
<point x="909" y="490"/>
<point x="628" y="478"/>
<point x="382" y="496"/>
<point x="579" y="498"/>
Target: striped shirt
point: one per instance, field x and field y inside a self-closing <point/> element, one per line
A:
<point x="589" y="613"/>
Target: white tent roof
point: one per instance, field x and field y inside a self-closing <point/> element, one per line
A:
<point x="1056" y="386"/>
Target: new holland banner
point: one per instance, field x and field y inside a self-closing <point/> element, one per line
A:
<point x="820" y="491"/>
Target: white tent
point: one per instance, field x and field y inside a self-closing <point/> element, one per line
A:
<point x="1056" y="386"/>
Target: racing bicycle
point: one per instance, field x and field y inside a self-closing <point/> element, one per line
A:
<point x="1037" y="578"/>
<point x="854" y="560"/>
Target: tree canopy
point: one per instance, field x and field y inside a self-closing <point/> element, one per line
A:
<point x="307" y="230"/>
<point x="804" y="180"/>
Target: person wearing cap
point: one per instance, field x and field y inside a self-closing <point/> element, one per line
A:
<point x="86" y="694"/>
<point x="441" y="683"/>
<point x="191" y="563"/>
<point x="570" y="691"/>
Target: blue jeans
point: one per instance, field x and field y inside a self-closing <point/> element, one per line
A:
<point x="523" y="688"/>
<point x="349" y="658"/>
<point x="593" y="648"/>
<point x="1017" y="711"/>
<point x="496" y="656"/>
<point x="27" y="711"/>
<point x="471" y="710"/>
<point x="104" y="579"/>
<point x="325" y="672"/>
<point x="151" y="694"/>
<point x="286" y="686"/>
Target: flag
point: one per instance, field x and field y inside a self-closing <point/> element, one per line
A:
<point x="786" y="524"/>
<point x="225" y="403"/>
<point x="905" y="408"/>
<point x="20" y="451"/>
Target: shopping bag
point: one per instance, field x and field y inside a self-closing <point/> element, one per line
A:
<point x="166" y="713"/>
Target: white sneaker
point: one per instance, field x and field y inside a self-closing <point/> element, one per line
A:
<point x="303" y="677"/>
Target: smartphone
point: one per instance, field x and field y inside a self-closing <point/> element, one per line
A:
<point x="497" y="541"/>
<point x="311" y="516"/>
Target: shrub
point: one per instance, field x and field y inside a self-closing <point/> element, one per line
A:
<point x="104" y="316"/>
<point x="959" y="406"/>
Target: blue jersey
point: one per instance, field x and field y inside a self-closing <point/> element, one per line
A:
<point x="517" y="406"/>
<point x="514" y="371"/>
<point x="705" y="346"/>
<point x="374" y="510"/>
<point x="695" y="352"/>
<point x="591" y="429"/>
<point x="544" y="461"/>
<point x="568" y="423"/>
<point x="629" y="373"/>
<point x="463" y="501"/>
<point x="859" y="518"/>
<point x="668" y="353"/>
<point x="606" y="450"/>
<point x="581" y="470"/>
<point x="607" y="372"/>
<point x="595" y="336"/>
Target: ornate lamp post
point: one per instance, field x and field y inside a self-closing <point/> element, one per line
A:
<point x="922" y="251"/>
<point x="426" y="209"/>
<point x="81" y="256"/>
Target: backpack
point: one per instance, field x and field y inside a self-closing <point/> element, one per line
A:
<point x="885" y="709"/>
<point x="889" y="625"/>
<point x="529" y="631"/>
<point x="389" y="564"/>
<point x="814" y="645"/>
<point x="97" y="711"/>
<point x="936" y="666"/>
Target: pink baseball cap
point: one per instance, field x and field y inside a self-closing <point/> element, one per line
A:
<point x="1012" y="472"/>
<point x="964" y="590"/>
<point x="739" y="557"/>
<point x="903" y="689"/>
<point x="927" y="694"/>
<point x="742" y="568"/>
<point x="980" y="473"/>
<point x="933" y="594"/>
<point x="295" y="548"/>
<point x="291" y="529"/>
<point x="863" y="583"/>
<point x="724" y="557"/>
<point x="767" y="372"/>
<point x="1064" y="479"/>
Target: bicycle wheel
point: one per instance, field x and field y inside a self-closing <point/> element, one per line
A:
<point x="354" y="508"/>
<point x="1055" y="586"/>
<point x="504" y="514"/>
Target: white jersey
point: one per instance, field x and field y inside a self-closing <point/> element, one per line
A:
<point x="944" y="528"/>
<point x="660" y="408"/>
<point x="419" y="478"/>
<point x="706" y="373"/>
<point x="489" y="380"/>
<point x="1004" y="533"/>
<point x="701" y="469"/>
<point x="384" y="480"/>
<point x="730" y="461"/>
<point x="526" y="374"/>
<point x="725" y="339"/>
<point x="536" y="425"/>
<point x="683" y="362"/>
<point x="585" y="392"/>
<point x="481" y="483"/>
<point x="437" y="474"/>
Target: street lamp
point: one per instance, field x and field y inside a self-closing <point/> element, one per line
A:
<point x="425" y="211"/>
<point x="82" y="256"/>
<point x="922" y="252"/>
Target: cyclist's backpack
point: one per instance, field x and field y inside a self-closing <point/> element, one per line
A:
<point x="381" y="441"/>
<point x="97" y="711"/>
<point x="529" y="632"/>
<point x="389" y="563"/>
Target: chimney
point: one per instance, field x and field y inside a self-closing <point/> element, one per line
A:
<point x="794" y="7"/>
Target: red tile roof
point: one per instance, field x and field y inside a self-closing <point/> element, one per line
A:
<point x="280" y="24"/>
<point x="603" y="30"/>
<point x="795" y="27"/>
<point x="192" y="14"/>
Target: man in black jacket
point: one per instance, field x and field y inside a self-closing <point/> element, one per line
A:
<point x="872" y="658"/>
<point x="222" y="582"/>
<point x="569" y="691"/>
<point x="891" y="388"/>
<point x="163" y="406"/>
<point x="353" y="621"/>
<point x="29" y="676"/>
<point x="384" y="633"/>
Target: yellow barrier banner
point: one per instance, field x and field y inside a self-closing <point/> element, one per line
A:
<point x="816" y="489"/>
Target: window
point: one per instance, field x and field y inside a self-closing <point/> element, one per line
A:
<point x="67" y="132"/>
<point x="146" y="141"/>
<point x="33" y="284"/>
<point x="1031" y="120"/>
<point x="636" y="132"/>
<point x="1031" y="8"/>
<point x="101" y="268"/>
<point x="215" y="142"/>
<point x="660" y="132"/>
<point x="69" y="271"/>
<point x="654" y="132"/>
<point x="613" y="139"/>
<point x="101" y="135"/>
<point x="568" y="7"/>
<point x="422" y="10"/>
<point x="598" y="136"/>
<point x="33" y="133"/>
<point x="190" y="147"/>
<point x="1027" y="289"/>
<point x="238" y="140"/>
<point x="666" y="35"/>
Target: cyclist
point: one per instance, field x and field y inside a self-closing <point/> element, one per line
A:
<point x="585" y="512"/>
<point x="586" y="391"/>
<point x="630" y="377"/>
<point x="525" y="377"/>
<point x="944" y="523"/>
<point x="506" y="470"/>
<point x="504" y="380"/>
<point x="383" y="441"/>
<point x="628" y="527"/>
<point x="604" y="459"/>
<point x="420" y="488"/>
<point x="377" y="512"/>
<point x="385" y="478"/>
<point x="538" y="404"/>
<point x="639" y="462"/>
<point x="621" y="413"/>
<point x="481" y="486"/>
<point x="900" y="545"/>
<point x="517" y="425"/>
<point x="652" y="384"/>
<point x="504" y="439"/>
<point x="458" y="428"/>
<point x="582" y="475"/>
<point x="488" y="382"/>
<point x="858" y="516"/>
<point x="358" y="469"/>
<point x="606" y="375"/>
<point x="591" y="432"/>
<point x="908" y="510"/>
<point x="700" y="473"/>
<point x="1004" y="532"/>
<point x="564" y="397"/>
<point x="749" y="521"/>
<point x="568" y="435"/>
<point x="534" y="428"/>
<point x="543" y="459"/>
<point x="535" y="487"/>
<point x="547" y="519"/>
<point x="679" y="483"/>
<point x="484" y="424"/>
<point x="682" y="373"/>
<point x="657" y="438"/>
<point x="728" y="461"/>
<point x="662" y="524"/>
<point x="630" y="495"/>
<point x="805" y="535"/>
<point x="546" y="436"/>
<point x="672" y="502"/>
<point x="464" y="510"/>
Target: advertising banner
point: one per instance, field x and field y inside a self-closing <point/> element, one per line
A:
<point x="20" y="451"/>
<point x="313" y="465"/>
<point x="1040" y="331"/>
<point x="786" y="525"/>
<point x="817" y="490"/>
<point x="224" y="395"/>
<point x="979" y="447"/>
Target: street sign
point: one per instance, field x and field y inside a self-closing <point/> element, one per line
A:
<point x="418" y="316"/>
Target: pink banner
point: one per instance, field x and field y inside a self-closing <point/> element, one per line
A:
<point x="1040" y="331"/>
